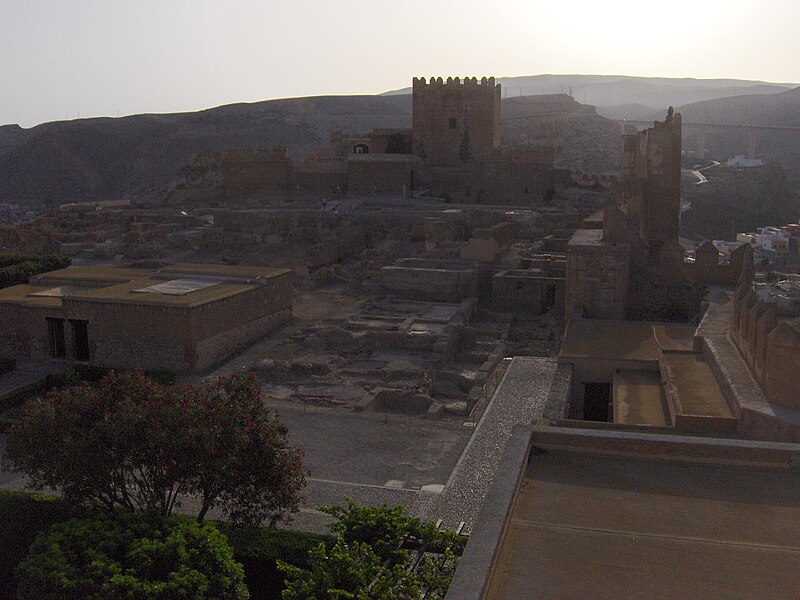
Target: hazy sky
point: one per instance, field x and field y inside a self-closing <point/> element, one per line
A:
<point x="61" y="58"/>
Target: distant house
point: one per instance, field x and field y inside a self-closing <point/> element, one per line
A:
<point x="742" y="161"/>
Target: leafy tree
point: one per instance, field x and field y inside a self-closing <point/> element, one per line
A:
<point x="131" y="555"/>
<point x="372" y="557"/>
<point x="131" y="442"/>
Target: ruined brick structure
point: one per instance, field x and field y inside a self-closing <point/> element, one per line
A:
<point x="452" y="150"/>
<point x="635" y="267"/>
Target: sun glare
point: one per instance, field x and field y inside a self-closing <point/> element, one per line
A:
<point x="614" y="25"/>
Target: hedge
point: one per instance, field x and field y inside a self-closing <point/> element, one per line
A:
<point x="15" y="270"/>
<point x="23" y="516"/>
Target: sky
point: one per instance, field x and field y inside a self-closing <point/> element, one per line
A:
<point x="61" y="59"/>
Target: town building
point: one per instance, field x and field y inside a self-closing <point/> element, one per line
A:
<point x="184" y="317"/>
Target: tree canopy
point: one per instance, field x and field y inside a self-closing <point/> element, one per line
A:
<point x="131" y="442"/>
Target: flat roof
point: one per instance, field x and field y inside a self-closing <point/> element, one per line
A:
<point x="696" y="388"/>
<point x="127" y="293"/>
<point x="120" y="284"/>
<point x="23" y="294"/>
<point x="237" y="271"/>
<point x="639" y="399"/>
<point x="110" y="274"/>
<point x="597" y="526"/>
<point x="590" y="237"/>
<point x="623" y="340"/>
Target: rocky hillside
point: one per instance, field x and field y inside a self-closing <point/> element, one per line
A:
<point x="137" y="157"/>
<point x="779" y="110"/>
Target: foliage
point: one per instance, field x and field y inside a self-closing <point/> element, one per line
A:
<point x="23" y="516"/>
<point x="131" y="555"/>
<point x="131" y="442"/>
<point x="259" y="549"/>
<point x="372" y="557"/>
<point x="19" y="269"/>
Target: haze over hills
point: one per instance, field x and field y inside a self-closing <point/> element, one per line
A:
<point x="626" y="97"/>
<point x="137" y="157"/>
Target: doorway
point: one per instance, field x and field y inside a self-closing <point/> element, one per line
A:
<point x="55" y="334"/>
<point x="80" y="338"/>
<point x="596" y="400"/>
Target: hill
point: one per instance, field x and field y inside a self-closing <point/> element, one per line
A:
<point x="137" y="157"/>
<point x="616" y="95"/>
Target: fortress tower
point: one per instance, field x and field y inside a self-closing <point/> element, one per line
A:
<point x="456" y="120"/>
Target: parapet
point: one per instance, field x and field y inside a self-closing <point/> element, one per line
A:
<point x="487" y="82"/>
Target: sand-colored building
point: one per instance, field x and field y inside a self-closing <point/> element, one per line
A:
<point x="184" y="317"/>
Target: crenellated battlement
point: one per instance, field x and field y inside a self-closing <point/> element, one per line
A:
<point x="484" y="82"/>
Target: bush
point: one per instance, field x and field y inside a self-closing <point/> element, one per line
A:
<point x="131" y="555"/>
<point x="259" y="549"/>
<point x="15" y="270"/>
<point x="23" y="516"/>
<point x="372" y="557"/>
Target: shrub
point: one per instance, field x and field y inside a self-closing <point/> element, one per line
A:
<point x="372" y="557"/>
<point x="15" y="270"/>
<point x="23" y="516"/>
<point x="131" y="555"/>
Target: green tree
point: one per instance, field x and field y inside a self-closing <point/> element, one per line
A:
<point x="131" y="442"/>
<point x="131" y="555"/>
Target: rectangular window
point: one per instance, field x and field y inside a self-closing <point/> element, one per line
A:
<point x="55" y="333"/>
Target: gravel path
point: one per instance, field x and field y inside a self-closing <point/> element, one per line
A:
<point x="519" y="399"/>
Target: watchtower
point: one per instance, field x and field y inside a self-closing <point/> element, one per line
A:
<point x="455" y="120"/>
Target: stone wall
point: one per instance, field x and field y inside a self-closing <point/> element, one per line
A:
<point x="439" y="281"/>
<point x="527" y="291"/>
<point x="597" y="278"/>
<point x="769" y="345"/>
<point x="380" y="174"/>
<point x="453" y="120"/>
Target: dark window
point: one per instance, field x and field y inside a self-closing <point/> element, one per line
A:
<point x="360" y="149"/>
<point x="80" y="337"/>
<point x="55" y="333"/>
<point x="452" y="123"/>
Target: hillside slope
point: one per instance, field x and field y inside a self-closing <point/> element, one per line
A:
<point x="137" y="157"/>
<point x="107" y="159"/>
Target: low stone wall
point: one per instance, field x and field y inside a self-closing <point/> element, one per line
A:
<point x="438" y="284"/>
